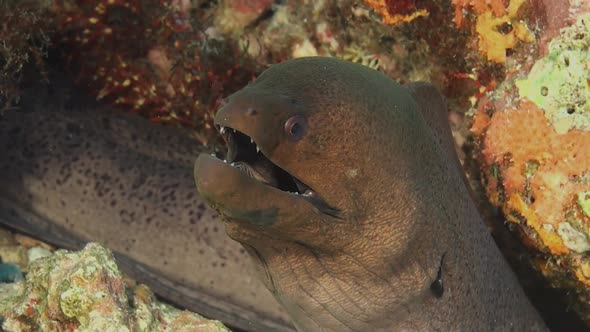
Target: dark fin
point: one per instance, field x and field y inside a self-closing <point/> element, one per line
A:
<point x="437" y="286"/>
<point x="433" y="107"/>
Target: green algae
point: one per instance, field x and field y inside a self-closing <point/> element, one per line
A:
<point x="558" y="82"/>
<point x="75" y="303"/>
<point x="584" y="202"/>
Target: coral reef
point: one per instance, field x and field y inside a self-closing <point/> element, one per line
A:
<point x="533" y="134"/>
<point x="558" y="82"/>
<point x="232" y="16"/>
<point x="353" y="31"/>
<point x="172" y="70"/>
<point x="84" y="291"/>
<point x="397" y="11"/>
<point x="25" y="34"/>
<point x="175" y="60"/>
<point x="496" y="7"/>
<point x="498" y="28"/>
<point x="184" y="56"/>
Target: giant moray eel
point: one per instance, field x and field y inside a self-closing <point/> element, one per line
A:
<point x="71" y="173"/>
<point x="345" y="189"/>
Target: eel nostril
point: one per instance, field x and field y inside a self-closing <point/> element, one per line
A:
<point x="251" y="112"/>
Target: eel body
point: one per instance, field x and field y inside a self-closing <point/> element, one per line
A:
<point x="345" y="188"/>
<point x="73" y="174"/>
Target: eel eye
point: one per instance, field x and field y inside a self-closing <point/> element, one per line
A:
<point x="295" y="127"/>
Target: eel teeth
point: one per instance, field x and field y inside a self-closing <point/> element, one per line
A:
<point x="222" y="130"/>
<point x="256" y="145"/>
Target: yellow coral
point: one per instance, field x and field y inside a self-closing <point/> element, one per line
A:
<point x="490" y="17"/>
<point x="479" y="7"/>
<point x="580" y="275"/>
<point x="548" y="237"/>
<point x="494" y="43"/>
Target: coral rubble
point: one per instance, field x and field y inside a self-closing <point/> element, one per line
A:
<point x="84" y="291"/>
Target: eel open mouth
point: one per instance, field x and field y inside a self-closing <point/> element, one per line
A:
<point x="244" y="154"/>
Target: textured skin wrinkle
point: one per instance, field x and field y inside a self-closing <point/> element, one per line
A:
<point x="382" y="154"/>
<point x="302" y="287"/>
<point x="337" y="281"/>
<point x="324" y="271"/>
<point x="86" y="173"/>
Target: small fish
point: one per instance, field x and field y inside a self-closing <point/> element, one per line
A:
<point x="72" y="173"/>
<point x="365" y="192"/>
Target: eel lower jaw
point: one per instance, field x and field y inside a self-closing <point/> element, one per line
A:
<point x="244" y="154"/>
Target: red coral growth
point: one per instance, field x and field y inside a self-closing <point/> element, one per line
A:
<point x="397" y="11"/>
<point x="250" y="6"/>
<point x="151" y="57"/>
<point x="497" y="7"/>
<point x="403" y="7"/>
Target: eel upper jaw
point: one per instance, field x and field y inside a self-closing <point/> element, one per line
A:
<point x="243" y="153"/>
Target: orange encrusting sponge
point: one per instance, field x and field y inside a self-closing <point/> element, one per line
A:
<point x="537" y="170"/>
